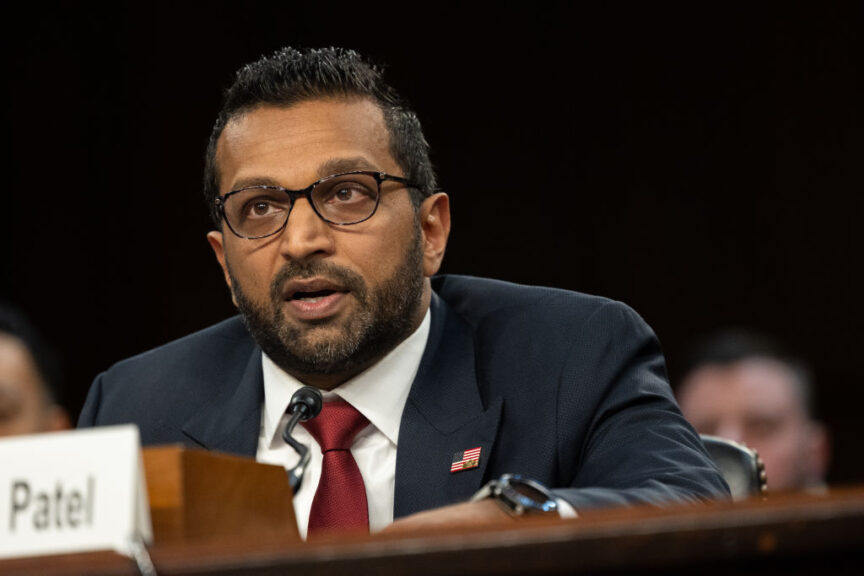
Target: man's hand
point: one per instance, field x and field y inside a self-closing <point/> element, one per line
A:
<point x="481" y="513"/>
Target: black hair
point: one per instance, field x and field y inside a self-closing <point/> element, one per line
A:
<point x="15" y="324"/>
<point x="290" y="76"/>
<point x="735" y="345"/>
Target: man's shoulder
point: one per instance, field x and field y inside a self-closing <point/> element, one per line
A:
<point x="163" y="388"/>
<point x="479" y="299"/>
<point x="211" y="346"/>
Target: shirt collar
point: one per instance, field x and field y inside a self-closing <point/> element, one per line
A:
<point x="379" y="393"/>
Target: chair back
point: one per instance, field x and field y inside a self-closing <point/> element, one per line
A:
<point x="740" y="466"/>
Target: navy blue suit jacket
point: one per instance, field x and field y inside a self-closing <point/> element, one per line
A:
<point x="562" y="387"/>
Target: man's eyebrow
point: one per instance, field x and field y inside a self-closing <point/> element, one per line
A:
<point x="328" y="168"/>
<point x="340" y="165"/>
<point x="254" y="181"/>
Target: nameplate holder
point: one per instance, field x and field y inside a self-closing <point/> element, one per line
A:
<point x="75" y="491"/>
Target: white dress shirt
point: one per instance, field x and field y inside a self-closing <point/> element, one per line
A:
<point x="379" y="394"/>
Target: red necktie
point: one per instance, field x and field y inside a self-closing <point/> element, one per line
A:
<point x="340" y="501"/>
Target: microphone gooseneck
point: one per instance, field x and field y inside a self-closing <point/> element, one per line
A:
<point x="305" y="404"/>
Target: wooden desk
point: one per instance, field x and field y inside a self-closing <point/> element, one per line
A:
<point x="794" y="534"/>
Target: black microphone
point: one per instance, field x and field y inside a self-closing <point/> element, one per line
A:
<point x="305" y="404"/>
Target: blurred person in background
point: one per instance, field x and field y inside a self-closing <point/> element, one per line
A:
<point x="744" y="387"/>
<point x="29" y="379"/>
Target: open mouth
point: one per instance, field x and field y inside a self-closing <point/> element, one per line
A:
<point x="314" y="299"/>
<point x="311" y="297"/>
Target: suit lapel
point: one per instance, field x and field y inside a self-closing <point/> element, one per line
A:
<point x="231" y="422"/>
<point x="444" y="415"/>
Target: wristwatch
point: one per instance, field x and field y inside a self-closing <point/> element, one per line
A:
<point x="519" y="496"/>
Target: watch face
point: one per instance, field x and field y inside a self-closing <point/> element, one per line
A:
<point x="527" y="491"/>
<point x="527" y="494"/>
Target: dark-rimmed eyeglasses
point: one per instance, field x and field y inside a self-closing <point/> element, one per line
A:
<point x="341" y="199"/>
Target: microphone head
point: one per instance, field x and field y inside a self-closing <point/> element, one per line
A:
<point x="308" y="401"/>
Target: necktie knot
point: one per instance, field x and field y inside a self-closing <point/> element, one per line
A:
<point x="336" y="426"/>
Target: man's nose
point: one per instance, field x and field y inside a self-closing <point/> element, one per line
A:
<point x="306" y="233"/>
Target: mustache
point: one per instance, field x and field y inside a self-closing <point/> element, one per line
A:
<point x="297" y="270"/>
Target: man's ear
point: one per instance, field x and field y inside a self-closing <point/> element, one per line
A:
<point x="435" y="225"/>
<point x="215" y="239"/>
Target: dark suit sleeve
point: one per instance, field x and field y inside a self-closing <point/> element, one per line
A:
<point x="637" y="448"/>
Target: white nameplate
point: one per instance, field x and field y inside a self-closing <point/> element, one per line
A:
<point x="76" y="491"/>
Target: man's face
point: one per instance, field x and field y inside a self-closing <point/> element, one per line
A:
<point x="326" y="301"/>
<point x="24" y="408"/>
<point x="755" y="402"/>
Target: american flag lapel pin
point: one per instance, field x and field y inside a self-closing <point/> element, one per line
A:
<point x="465" y="460"/>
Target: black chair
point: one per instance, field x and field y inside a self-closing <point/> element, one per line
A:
<point x="740" y="466"/>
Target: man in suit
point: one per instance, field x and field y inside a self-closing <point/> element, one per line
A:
<point x="330" y="228"/>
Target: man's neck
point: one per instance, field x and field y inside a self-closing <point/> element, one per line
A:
<point x="330" y="381"/>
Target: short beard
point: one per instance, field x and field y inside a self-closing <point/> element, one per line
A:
<point x="385" y="317"/>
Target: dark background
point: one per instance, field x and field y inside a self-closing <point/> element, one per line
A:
<point x="699" y="161"/>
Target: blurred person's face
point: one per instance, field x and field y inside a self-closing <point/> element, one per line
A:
<point x="24" y="406"/>
<point x="755" y="402"/>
